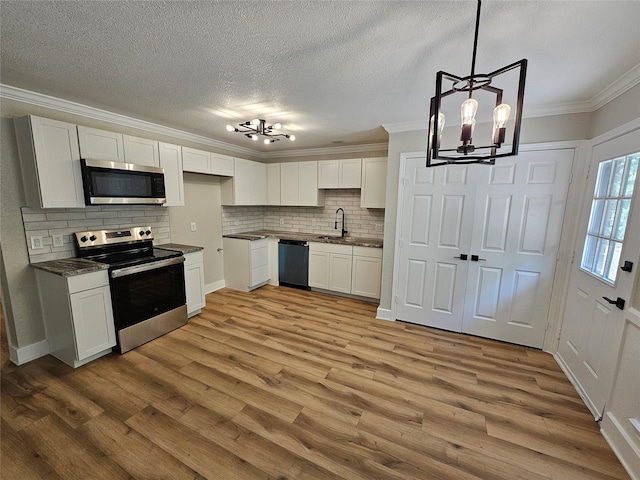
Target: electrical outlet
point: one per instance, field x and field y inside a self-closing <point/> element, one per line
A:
<point x="379" y="227"/>
<point x="58" y="241"/>
<point x="281" y="221"/>
<point x="36" y="243"/>
<point x="193" y="226"/>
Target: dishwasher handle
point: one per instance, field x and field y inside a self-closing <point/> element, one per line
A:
<point x="285" y="241"/>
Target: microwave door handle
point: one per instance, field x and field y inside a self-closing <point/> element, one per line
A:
<point x="122" y="272"/>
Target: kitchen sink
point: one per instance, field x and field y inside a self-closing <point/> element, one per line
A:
<point x="325" y="237"/>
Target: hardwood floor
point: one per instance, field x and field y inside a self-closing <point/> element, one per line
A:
<point x="285" y="384"/>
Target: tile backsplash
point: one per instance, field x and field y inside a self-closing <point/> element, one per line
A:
<point x="360" y="222"/>
<point x="66" y="221"/>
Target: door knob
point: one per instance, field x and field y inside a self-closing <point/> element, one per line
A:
<point x="627" y="267"/>
<point x="475" y="258"/>
<point x="618" y="302"/>
<point x="463" y="256"/>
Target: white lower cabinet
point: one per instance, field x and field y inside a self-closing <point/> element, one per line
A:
<point x="246" y="263"/>
<point x="194" y="282"/>
<point x="366" y="272"/>
<point x="78" y="315"/>
<point x="345" y="269"/>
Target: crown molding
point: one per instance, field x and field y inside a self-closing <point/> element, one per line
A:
<point x="342" y="150"/>
<point x="41" y="100"/>
<point x="617" y="88"/>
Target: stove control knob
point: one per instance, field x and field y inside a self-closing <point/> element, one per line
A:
<point x="148" y="232"/>
<point x="141" y="232"/>
<point x="83" y="238"/>
<point x="93" y="238"/>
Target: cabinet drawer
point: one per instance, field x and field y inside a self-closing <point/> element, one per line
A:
<point x="259" y="256"/>
<point x="193" y="258"/>
<point x="79" y="283"/>
<point x="331" y="248"/>
<point x="259" y="275"/>
<point x="367" y="252"/>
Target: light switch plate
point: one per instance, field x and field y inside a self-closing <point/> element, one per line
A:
<point x="58" y="241"/>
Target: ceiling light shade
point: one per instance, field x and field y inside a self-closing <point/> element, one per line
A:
<point x="258" y="127"/>
<point x="480" y="99"/>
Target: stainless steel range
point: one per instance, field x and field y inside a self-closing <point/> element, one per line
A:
<point x="147" y="284"/>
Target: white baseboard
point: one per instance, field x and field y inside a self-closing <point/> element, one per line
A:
<point x="384" y="314"/>
<point x="565" y="369"/>
<point x="212" y="287"/>
<point x="23" y="355"/>
<point x="624" y="447"/>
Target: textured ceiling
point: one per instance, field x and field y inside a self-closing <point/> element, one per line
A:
<point x="332" y="72"/>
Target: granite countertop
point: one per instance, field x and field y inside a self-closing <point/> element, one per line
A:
<point x="178" y="247"/>
<point x="308" y="237"/>
<point x="68" y="267"/>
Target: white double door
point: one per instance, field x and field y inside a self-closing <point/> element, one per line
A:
<point x="478" y="244"/>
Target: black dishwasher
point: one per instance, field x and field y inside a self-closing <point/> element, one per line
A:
<point x="293" y="263"/>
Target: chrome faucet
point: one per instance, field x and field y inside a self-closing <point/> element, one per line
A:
<point x="344" y="232"/>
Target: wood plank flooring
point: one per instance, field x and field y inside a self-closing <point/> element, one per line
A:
<point x="285" y="384"/>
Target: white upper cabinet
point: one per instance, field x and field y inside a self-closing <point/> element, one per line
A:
<point x="50" y="162"/>
<point x="201" y="161"/>
<point x="196" y="161"/>
<point x="171" y="161"/>
<point x="98" y="144"/>
<point x="340" y="173"/>
<point x="221" y="165"/>
<point x="141" y="151"/>
<point x="248" y="186"/>
<point x="374" y="182"/>
<point x="273" y="184"/>
<point x="299" y="184"/>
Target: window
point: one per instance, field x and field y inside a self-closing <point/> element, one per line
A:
<point x="609" y="215"/>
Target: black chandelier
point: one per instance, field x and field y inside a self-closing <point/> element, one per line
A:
<point x="489" y="89"/>
<point x="258" y="127"/>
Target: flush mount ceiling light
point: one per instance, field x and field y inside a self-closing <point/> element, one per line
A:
<point x="476" y="92"/>
<point x="257" y="128"/>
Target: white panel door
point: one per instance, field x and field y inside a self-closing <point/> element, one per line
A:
<point x="437" y="216"/>
<point x="519" y="210"/>
<point x="609" y="236"/>
<point x="506" y="219"/>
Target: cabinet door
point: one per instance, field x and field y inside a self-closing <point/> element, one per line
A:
<point x="98" y="144"/>
<point x="141" y="151"/>
<point x="194" y="286"/>
<point x="171" y="161"/>
<point x="222" y="165"/>
<point x="328" y="173"/>
<point x="319" y="269"/>
<point x="242" y="182"/>
<point x="56" y="158"/>
<point x="340" y="272"/>
<point x="194" y="160"/>
<point x="289" y="183"/>
<point x="273" y="184"/>
<point x="374" y="182"/>
<point x="308" y="193"/>
<point x="366" y="275"/>
<point x="92" y="321"/>
<point x="350" y="173"/>
<point x="258" y="183"/>
<point x="259" y="262"/>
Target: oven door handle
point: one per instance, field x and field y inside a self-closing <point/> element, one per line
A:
<point x="121" y="272"/>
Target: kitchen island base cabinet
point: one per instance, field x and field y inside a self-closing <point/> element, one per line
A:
<point x="246" y="263"/>
<point x="194" y="282"/>
<point x="78" y="316"/>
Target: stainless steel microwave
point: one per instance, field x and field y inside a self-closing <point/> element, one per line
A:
<point x="118" y="183"/>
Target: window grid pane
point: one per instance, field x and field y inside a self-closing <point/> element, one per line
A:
<point x="609" y="215"/>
